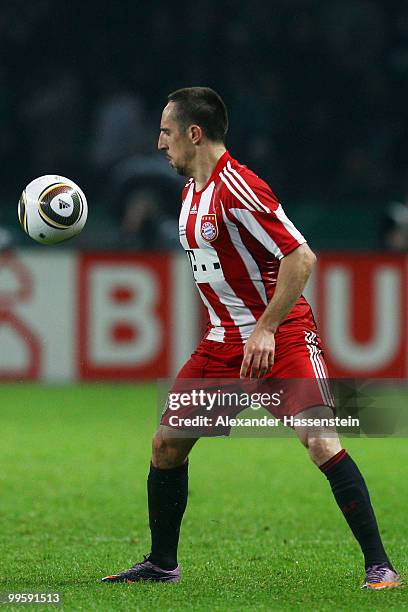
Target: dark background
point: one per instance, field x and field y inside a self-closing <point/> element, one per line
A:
<point x="316" y="91"/>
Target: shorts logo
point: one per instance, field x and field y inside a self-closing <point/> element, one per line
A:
<point x="209" y="228"/>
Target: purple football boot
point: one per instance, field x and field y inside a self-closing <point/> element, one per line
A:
<point x="381" y="576"/>
<point x="145" y="571"/>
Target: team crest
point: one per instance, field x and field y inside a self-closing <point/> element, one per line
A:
<point x="209" y="228"/>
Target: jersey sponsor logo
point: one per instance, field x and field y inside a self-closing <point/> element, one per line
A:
<point x="205" y="265"/>
<point x="209" y="228"/>
<point x="193" y="210"/>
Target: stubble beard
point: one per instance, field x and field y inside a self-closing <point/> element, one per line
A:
<point x="184" y="167"/>
<point x="182" y="170"/>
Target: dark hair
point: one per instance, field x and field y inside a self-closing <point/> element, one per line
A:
<point x="204" y="107"/>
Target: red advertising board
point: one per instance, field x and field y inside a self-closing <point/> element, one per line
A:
<point x="124" y="316"/>
<point x="68" y="316"/>
<point x="361" y="307"/>
<point x="16" y="288"/>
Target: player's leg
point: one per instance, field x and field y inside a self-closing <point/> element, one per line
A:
<point x="322" y="443"/>
<point x="167" y="487"/>
<point x="351" y="494"/>
<point x="168" y="477"/>
<point x="299" y="357"/>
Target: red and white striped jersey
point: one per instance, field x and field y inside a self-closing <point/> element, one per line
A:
<point x="235" y="233"/>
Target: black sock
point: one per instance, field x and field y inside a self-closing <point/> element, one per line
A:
<point x="353" y="499"/>
<point x="167" y="496"/>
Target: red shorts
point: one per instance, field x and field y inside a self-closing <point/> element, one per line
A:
<point x="299" y="367"/>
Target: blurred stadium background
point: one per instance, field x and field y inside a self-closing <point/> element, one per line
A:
<point x="317" y="92"/>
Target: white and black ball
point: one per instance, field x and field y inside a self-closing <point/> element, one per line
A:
<point x="52" y="209"/>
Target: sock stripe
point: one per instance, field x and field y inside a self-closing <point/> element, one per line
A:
<point x="325" y="467"/>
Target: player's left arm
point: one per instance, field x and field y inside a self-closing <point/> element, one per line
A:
<point x="259" y="351"/>
<point x="251" y="203"/>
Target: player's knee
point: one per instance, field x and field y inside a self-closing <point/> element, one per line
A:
<point x="165" y="452"/>
<point x="322" y="449"/>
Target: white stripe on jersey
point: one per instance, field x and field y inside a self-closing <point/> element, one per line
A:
<point x="234" y="192"/>
<point x="252" y="225"/>
<point x="280" y="213"/>
<point x="203" y="208"/>
<point x="239" y="189"/>
<point x="249" y="262"/>
<point x="239" y="313"/>
<point x="219" y="332"/>
<point x="185" y="211"/>
<point x="247" y="187"/>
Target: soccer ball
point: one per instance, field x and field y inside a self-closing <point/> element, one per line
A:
<point x="52" y="209"/>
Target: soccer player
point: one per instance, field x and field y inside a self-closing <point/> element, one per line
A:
<point x="250" y="266"/>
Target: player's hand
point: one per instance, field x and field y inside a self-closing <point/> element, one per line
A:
<point x="259" y="353"/>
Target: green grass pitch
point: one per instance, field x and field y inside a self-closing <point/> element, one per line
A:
<point x="261" y="531"/>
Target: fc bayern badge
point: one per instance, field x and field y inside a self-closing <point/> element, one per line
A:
<point x="209" y="228"/>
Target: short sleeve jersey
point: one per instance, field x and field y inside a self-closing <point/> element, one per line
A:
<point x="235" y="233"/>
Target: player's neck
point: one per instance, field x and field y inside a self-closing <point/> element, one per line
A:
<point x="205" y="162"/>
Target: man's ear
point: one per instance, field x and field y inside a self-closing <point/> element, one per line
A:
<point x="196" y="134"/>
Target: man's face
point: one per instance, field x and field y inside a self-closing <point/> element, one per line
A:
<point x="174" y="142"/>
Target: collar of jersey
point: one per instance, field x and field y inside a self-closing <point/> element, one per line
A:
<point x="219" y="165"/>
